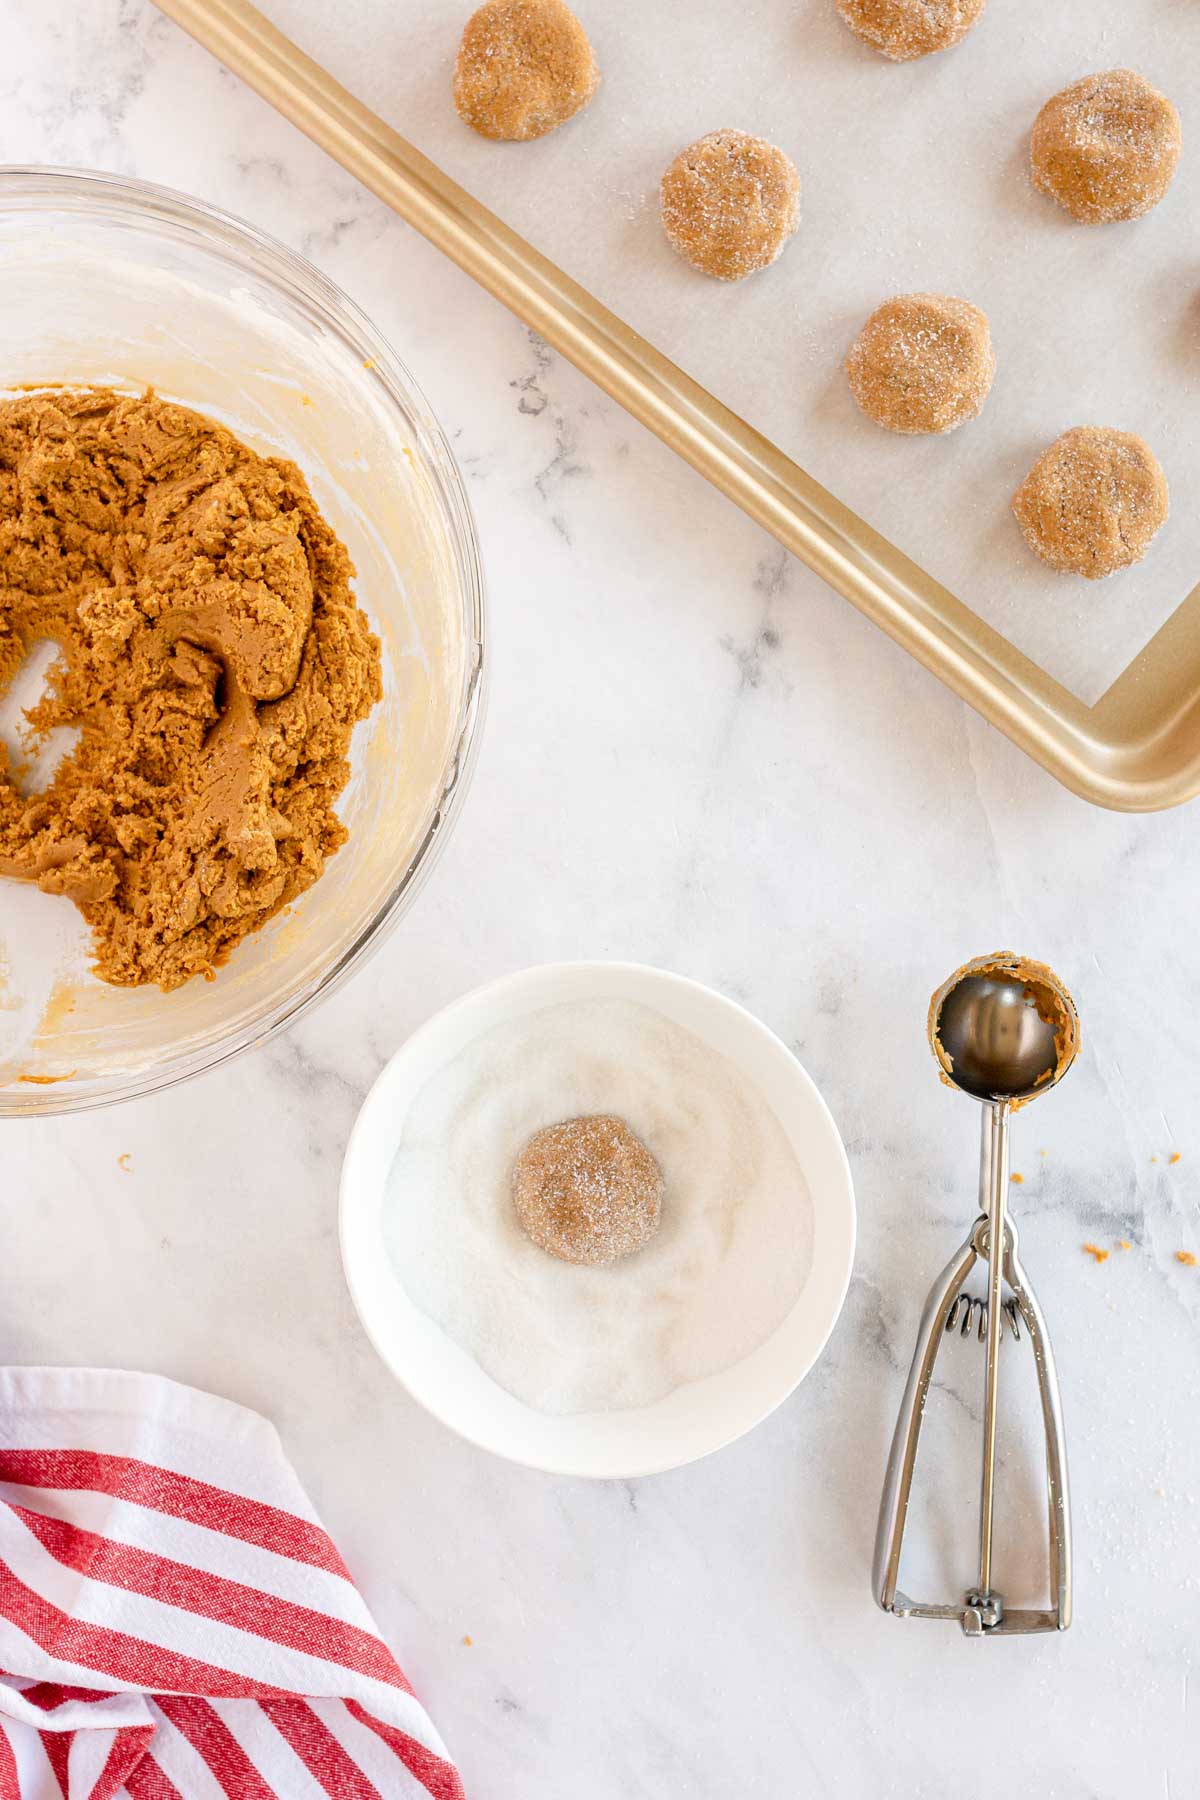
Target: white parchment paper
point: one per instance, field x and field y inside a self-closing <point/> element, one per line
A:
<point x="914" y="176"/>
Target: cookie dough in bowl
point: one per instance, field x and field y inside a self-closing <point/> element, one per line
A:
<point x="336" y="532"/>
<point x="708" y="1315"/>
<point x="211" y="657"/>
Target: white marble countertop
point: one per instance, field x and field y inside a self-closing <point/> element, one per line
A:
<point x="696" y="756"/>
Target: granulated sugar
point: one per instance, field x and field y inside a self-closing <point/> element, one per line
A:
<point x="728" y="1262"/>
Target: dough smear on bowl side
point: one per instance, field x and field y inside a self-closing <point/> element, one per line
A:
<point x="211" y="656"/>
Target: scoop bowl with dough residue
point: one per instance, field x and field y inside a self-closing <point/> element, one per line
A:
<point x="1003" y="1028"/>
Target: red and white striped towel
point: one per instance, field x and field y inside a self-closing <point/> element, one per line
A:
<point x="173" y="1619"/>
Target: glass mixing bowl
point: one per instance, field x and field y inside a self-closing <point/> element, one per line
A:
<point x="114" y="282"/>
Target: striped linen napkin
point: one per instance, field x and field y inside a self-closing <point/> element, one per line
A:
<point x="173" y="1619"/>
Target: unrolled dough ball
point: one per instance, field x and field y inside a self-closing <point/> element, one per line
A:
<point x="1092" y="502"/>
<point x="524" y="67"/>
<point x="906" y="29"/>
<point x="1106" y="147"/>
<point x="730" y="202"/>
<point x="922" y="363"/>
<point x="588" y="1191"/>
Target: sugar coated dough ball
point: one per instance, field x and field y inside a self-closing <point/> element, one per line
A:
<point x="524" y="67"/>
<point x="588" y="1191"/>
<point x="905" y="29"/>
<point x="922" y="363"/>
<point x="1106" y="147"/>
<point x="730" y="202"/>
<point x="1092" y="502"/>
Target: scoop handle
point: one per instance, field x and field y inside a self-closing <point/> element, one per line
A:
<point x="993" y="1185"/>
<point x="902" y="1461"/>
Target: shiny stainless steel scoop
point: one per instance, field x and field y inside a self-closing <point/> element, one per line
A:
<point x="1004" y="1031"/>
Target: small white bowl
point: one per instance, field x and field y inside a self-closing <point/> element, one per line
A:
<point x="694" y="1420"/>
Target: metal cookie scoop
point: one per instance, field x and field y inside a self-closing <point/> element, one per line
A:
<point x="1004" y="1030"/>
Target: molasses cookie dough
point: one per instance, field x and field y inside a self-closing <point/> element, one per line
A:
<point x="524" y="68"/>
<point x="212" y="658"/>
<point x="588" y="1190"/>
<point x="922" y="364"/>
<point x="1093" y="502"/>
<point x="906" y="29"/>
<point x="1107" y="147"/>
<point x="730" y="202"/>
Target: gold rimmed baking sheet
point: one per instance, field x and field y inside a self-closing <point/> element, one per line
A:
<point x="1091" y="327"/>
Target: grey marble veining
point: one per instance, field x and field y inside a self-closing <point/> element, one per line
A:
<point x="695" y="756"/>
